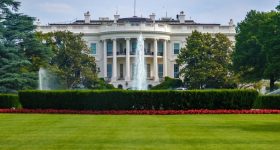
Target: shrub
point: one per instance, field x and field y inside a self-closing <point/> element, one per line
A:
<point x="138" y="100"/>
<point x="168" y="83"/>
<point x="9" y="101"/>
<point x="268" y="102"/>
<point x="101" y="84"/>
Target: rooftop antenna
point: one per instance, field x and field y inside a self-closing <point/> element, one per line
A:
<point x="117" y="10"/>
<point x="165" y="12"/>
<point x="163" y="7"/>
<point x="134" y="7"/>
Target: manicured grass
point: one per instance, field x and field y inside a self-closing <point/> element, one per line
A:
<point x="41" y="131"/>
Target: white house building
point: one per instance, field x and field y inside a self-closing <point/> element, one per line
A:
<point x="113" y="43"/>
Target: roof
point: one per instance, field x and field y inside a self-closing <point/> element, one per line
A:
<point x="134" y="19"/>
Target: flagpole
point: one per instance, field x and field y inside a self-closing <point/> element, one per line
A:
<point x="134" y="7"/>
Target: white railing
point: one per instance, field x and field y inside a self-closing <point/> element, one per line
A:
<point x="148" y="27"/>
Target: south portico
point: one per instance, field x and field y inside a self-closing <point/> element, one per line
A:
<point x="119" y="57"/>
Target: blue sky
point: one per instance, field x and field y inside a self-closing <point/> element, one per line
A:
<point x="202" y="11"/>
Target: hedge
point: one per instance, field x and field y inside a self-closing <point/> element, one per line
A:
<point x="138" y="100"/>
<point x="9" y="101"/>
<point x="268" y="102"/>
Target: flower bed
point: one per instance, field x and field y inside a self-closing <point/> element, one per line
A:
<point x="141" y="112"/>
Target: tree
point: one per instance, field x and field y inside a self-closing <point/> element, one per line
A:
<point x="205" y="61"/>
<point x="21" y="53"/>
<point x="71" y="61"/>
<point x="257" y="47"/>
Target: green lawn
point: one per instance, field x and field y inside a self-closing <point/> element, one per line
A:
<point x="32" y="131"/>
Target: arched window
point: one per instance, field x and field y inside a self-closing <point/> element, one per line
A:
<point x="120" y="86"/>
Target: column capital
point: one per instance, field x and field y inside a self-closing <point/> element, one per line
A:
<point x="156" y="39"/>
<point x="113" y="39"/>
<point x="127" y="39"/>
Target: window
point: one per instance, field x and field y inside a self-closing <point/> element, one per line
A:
<point x="160" y="48"/>
<point x="109" y="48"/>
<point x="148" y="49"/>
<point x="109" y="70"/>
<point x="121" y="46"/>
<point x="93" y="48"/>
<point x="160" y="70"/>
<point x="148" y="70"/>
<point x="121" y="71"/>
<point x="134" y="44"/>
<point x="176" y="48"/>
<point x="121" y="49"/>
<point x="149" y="46"/>
<point x="176" y="71"/>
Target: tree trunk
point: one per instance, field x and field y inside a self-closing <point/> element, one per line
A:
<point x="272" y="83"/>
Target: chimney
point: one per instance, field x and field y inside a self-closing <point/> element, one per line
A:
<point x="116" y="18"/>
<point x="231" y="23"/>
<point x="153" y="17"/>
<point x="87" y="17"/>
<point x="38" y="22"/>
<point x="181" y="17"/>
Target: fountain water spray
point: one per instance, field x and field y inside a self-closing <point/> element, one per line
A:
<point x="43" y="79"/>
<point x="140" y="73"/>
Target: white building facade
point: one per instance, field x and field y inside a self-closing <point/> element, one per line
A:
<point x="113" y="43"/>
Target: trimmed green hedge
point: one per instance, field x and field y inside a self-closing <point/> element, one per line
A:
<point x="268" y="102"/>
<point x="136" y="100"/>
<point x="9" y="101"/>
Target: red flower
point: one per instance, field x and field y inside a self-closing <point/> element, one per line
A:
<point x="141" y="112"/>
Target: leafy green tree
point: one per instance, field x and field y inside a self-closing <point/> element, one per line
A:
<point x="257" y="47"/>
<point x="21" y="53"/>
<point x="71" y="61"/>
<point x="206" y="61"/>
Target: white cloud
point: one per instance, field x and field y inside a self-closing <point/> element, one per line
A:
<point x="56" y="8"/>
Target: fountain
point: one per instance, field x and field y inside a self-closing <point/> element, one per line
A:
<point x="140" y="74"/>
<point x="43" y="79"/>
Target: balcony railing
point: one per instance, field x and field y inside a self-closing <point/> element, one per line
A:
<point x="160" y="53"/>
<point x="109" y="53"/>
<point x="132" y="52"/>
<point x="121" y="78"/>
<point x="149" y="53"/>
<point x="121" y="52"/>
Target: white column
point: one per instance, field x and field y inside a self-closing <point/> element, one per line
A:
<point x="164" y="58"/>
<point x="105" y="58"/>
<point x="127" y="60"/>
<point x="114" y="76"/>
<point x="155" y="61"/>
